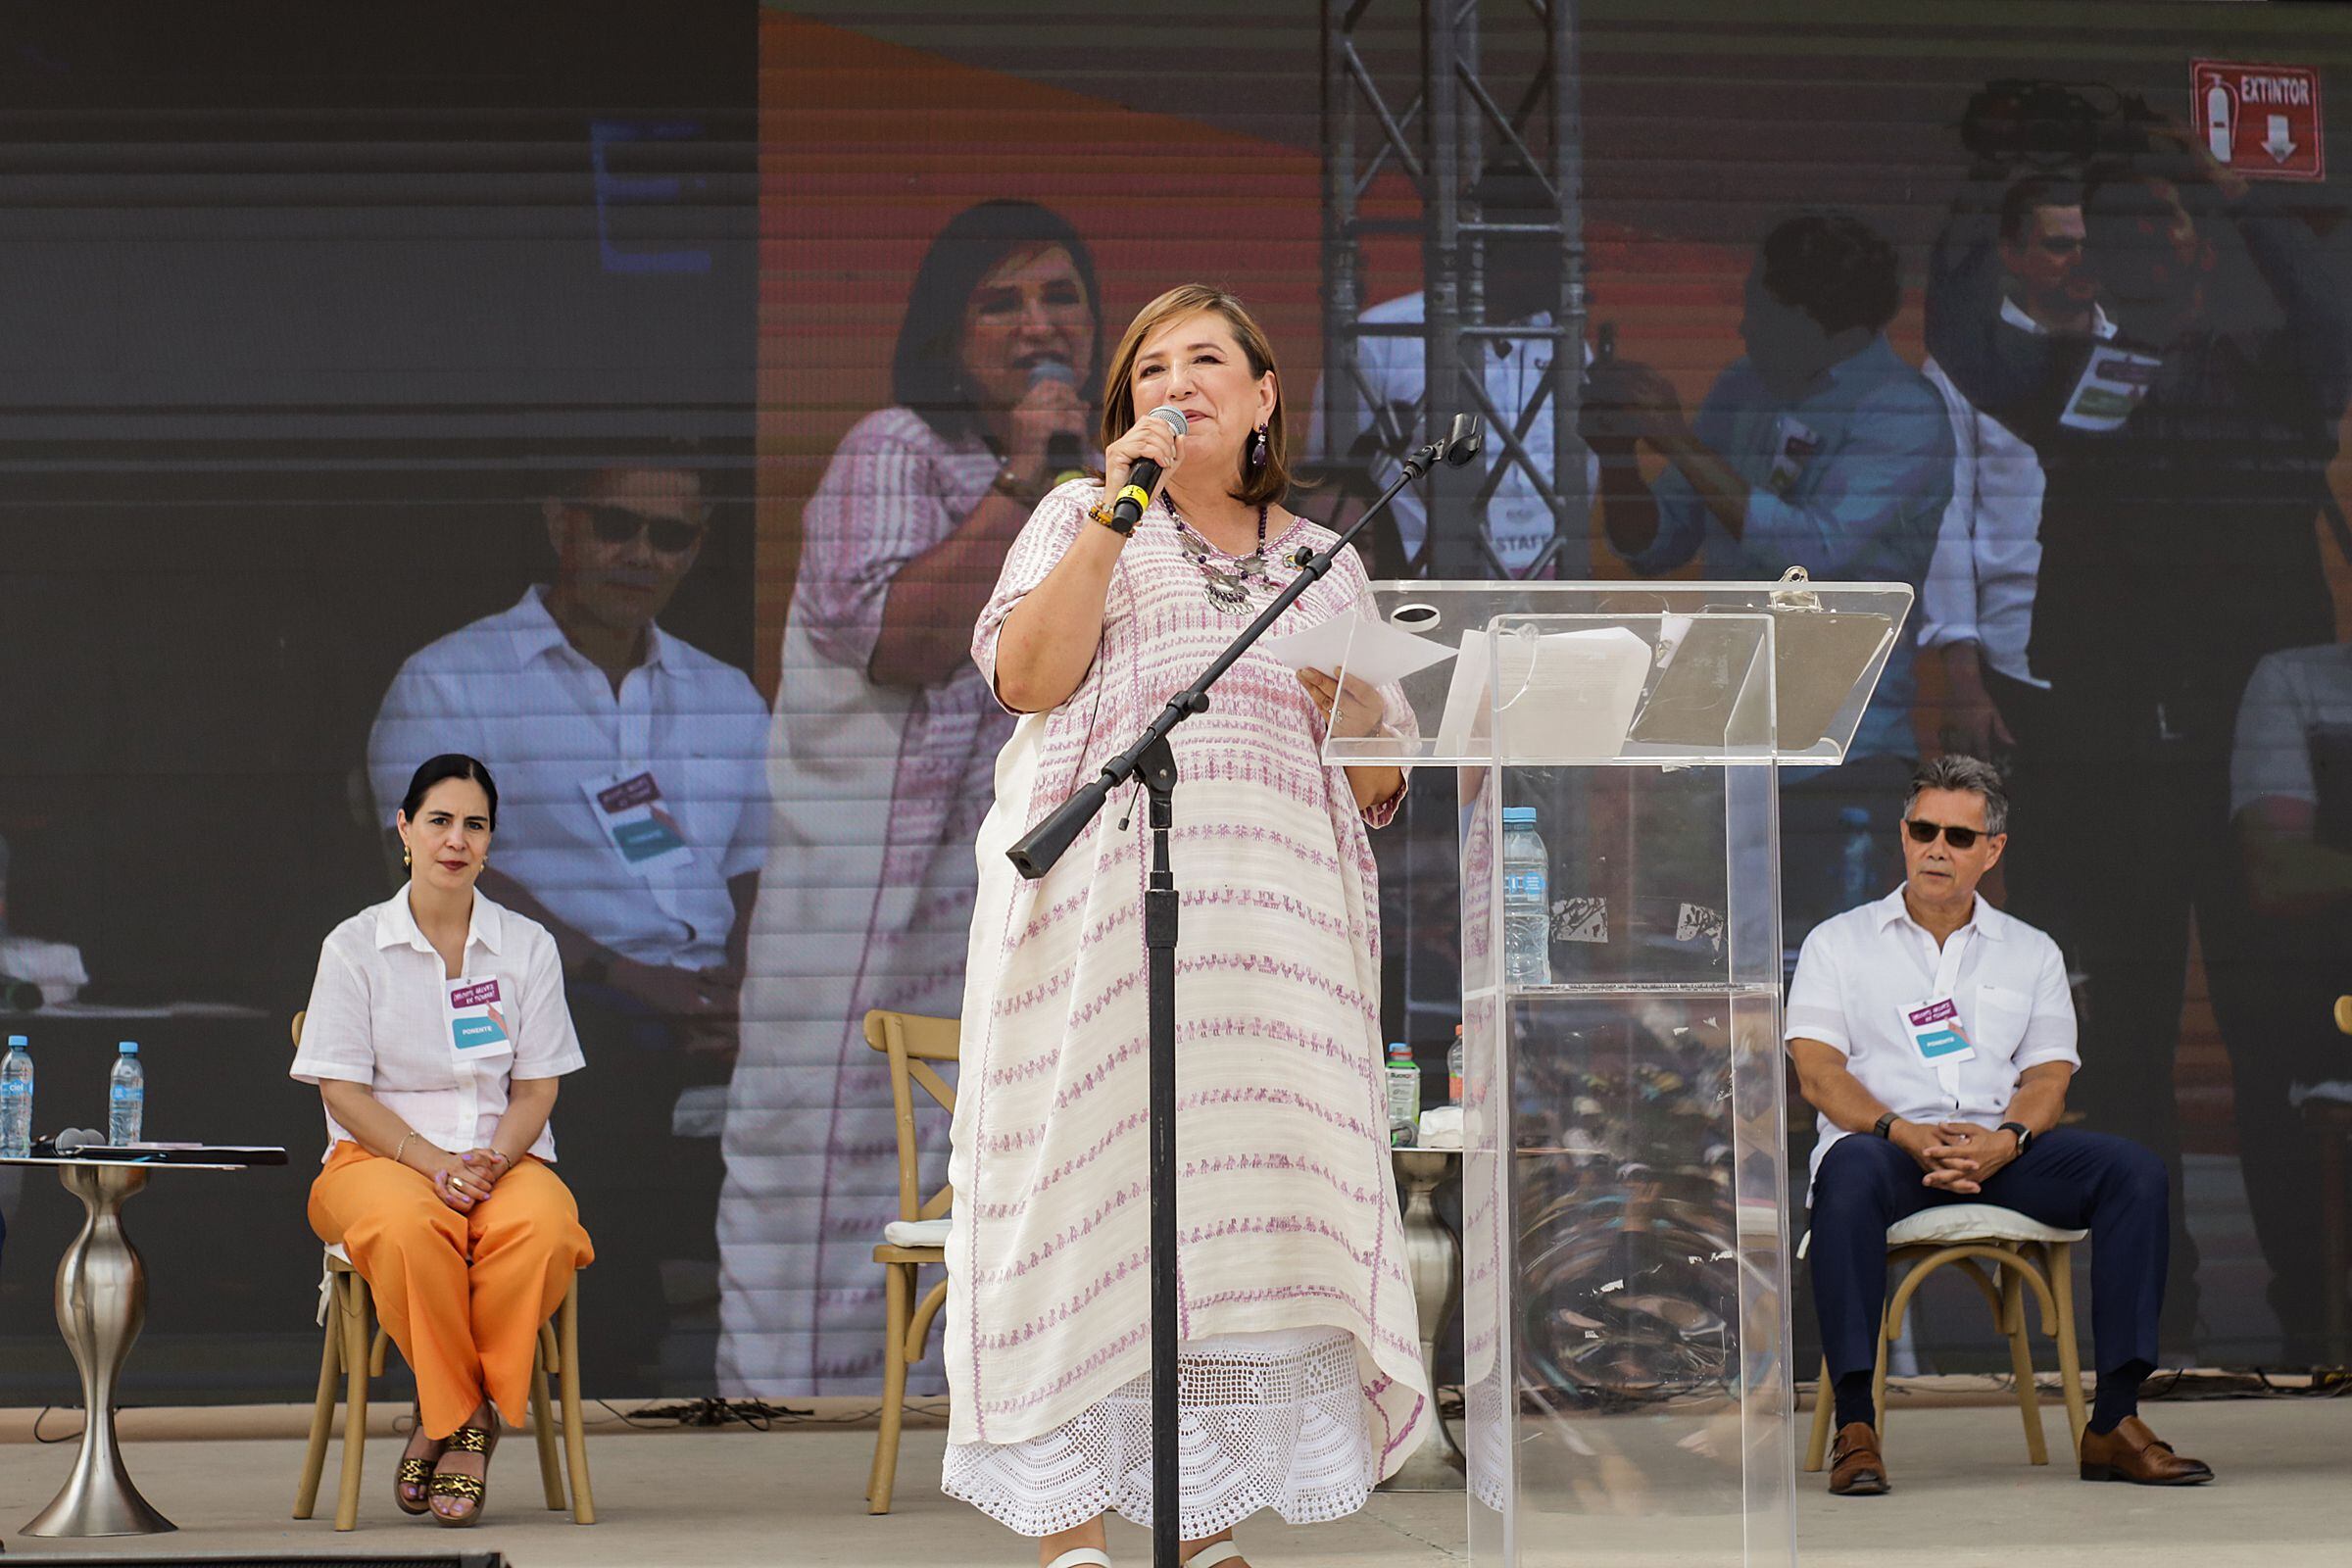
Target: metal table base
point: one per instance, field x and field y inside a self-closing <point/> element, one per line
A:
<point x="101" y="1303"/>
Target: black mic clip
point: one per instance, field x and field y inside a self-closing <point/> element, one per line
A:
<point x="1461" y="442"/>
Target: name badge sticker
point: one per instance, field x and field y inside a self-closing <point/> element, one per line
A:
<point x="638" y="824"/>
<point x="1937" y="1033"/>
<point x="477" y="1022"/>
<point x="2112" y="383"/>
<point x="1795" y="445"/>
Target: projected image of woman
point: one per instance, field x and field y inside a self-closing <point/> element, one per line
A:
<point x="879" y="766"/>
<point x="1301" y="1379"/>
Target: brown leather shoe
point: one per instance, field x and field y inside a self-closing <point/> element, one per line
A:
<point x="1856" y="1469"/>
<point x="2132" y="1453"/>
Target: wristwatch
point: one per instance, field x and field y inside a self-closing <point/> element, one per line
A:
<point x="2025" y="1134"/>
<point x="1883" y="1127"/>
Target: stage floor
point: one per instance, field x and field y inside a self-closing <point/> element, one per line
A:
<point x="1963" y="1493"/>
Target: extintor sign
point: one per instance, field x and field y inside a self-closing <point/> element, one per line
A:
<point x="2261" y="121"/>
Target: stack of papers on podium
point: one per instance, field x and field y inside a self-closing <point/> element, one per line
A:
<point x="1564" y="697"/>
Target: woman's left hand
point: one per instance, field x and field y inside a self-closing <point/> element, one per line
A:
<point x="1359" y="708"/>
<point x="483" y="1167"/>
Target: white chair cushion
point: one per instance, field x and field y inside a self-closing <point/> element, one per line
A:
<point x="326" y="1282"/>
<point x="1973" y="1222"/>
<point x="916" y="1232"/>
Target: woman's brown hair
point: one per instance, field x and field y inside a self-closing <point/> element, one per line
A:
<point x="1271" y="482"/>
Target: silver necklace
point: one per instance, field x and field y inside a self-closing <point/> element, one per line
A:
<point x="1226" y="585"/>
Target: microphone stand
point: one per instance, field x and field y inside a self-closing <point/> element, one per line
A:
<point x="1153" y="762"/>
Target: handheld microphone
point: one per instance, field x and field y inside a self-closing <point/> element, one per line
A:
<point x="1065" y="460"/>
<point x="1146" y="475"/>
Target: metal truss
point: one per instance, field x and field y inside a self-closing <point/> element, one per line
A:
<point x="1453" y="126"/>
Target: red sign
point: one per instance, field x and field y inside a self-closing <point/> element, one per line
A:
<point x="2261" y="122"/>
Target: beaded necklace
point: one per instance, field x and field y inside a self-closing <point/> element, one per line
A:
<point x="1226" y="586"/>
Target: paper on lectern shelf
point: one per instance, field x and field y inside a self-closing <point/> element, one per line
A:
<point x="1565" y="696"/>
<point x="1373" y="651"/>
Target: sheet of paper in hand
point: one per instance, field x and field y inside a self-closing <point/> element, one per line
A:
<point x="477" y="1020"/>
<point x="628" y="807"/>
<point x="1372" y="651"/>
<point x="1937" y="1033"/>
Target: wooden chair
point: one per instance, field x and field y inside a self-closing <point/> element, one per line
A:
<point x="920" y="1235"/>
<point x="2331" y="1124"/>
<point x="355" y="1351"/>
<point x="2022" y="1252"/>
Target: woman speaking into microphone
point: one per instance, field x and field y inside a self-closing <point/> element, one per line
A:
<point x="435" y="1033"/>
<point x="1300" y="1374"/>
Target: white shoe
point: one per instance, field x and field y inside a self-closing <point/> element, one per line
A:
<point x="1082" y="1557"/>
<point x="1213" y="1553"/>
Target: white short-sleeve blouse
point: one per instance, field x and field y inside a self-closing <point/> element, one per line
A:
<point x="379" y="1016"/>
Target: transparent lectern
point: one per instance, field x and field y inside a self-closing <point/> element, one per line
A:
<point x="1625" y="1190"/>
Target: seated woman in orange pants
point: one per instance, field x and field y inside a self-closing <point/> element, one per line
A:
<point x="436" y="1032"/>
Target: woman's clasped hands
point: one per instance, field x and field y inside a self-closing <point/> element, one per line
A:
<point x="463" y="1180"/>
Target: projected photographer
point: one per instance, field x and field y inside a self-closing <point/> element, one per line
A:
<point x="2186" y="463"/>
<point x="1821" y="449"/>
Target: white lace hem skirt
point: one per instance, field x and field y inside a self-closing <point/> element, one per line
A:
<point x="1274" y="1421"/>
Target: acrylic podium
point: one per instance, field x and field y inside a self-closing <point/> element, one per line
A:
<point x="1626" y="1213"/>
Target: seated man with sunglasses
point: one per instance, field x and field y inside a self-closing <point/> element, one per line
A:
<point x="632" y="825"/>
<point x="1934" y="1037"/>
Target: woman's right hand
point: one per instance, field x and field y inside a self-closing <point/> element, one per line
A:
<point x="451" y="1176"/>
<point x="1052" y="407"/>
<point x="1148" y="438"/>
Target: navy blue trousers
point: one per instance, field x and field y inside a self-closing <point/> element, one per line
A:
<point x="2069" y="1178"/>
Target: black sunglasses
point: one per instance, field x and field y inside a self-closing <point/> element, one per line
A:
<point x="619" y="525"/>
<point x="1960" y="837"/>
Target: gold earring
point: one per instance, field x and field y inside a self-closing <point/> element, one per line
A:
<point x="404" y="857"/>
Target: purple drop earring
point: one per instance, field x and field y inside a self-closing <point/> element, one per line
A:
<point x="1256" y="460"/>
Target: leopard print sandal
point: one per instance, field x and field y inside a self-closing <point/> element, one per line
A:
<point x="412" y="1482"/>
<point x="473" y="1489"/>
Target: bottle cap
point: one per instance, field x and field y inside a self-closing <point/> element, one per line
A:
<point x="1397" y="1048"/>
<point x="18" y="1043"/>
<point x="130" y="1048"/>
<point x="1514" y="815"/>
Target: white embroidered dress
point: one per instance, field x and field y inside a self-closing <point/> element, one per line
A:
<point x="1302" y="1380"/>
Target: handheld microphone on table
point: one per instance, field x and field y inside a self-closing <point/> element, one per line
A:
<point x="1065" y="457"/>
<point x="1129" y="508"/>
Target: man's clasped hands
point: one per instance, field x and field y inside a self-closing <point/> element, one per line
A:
<point x="1958" y="1157"/>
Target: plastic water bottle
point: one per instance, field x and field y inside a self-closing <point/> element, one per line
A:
<point x="1453" y="1068"/>
<point x="1405" y="1096"/>
<point x="1853" y="847"/>
<point x="125" y="1097"/>
<point x="16" y="1100"/>
<point x="1526" y="901"/>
